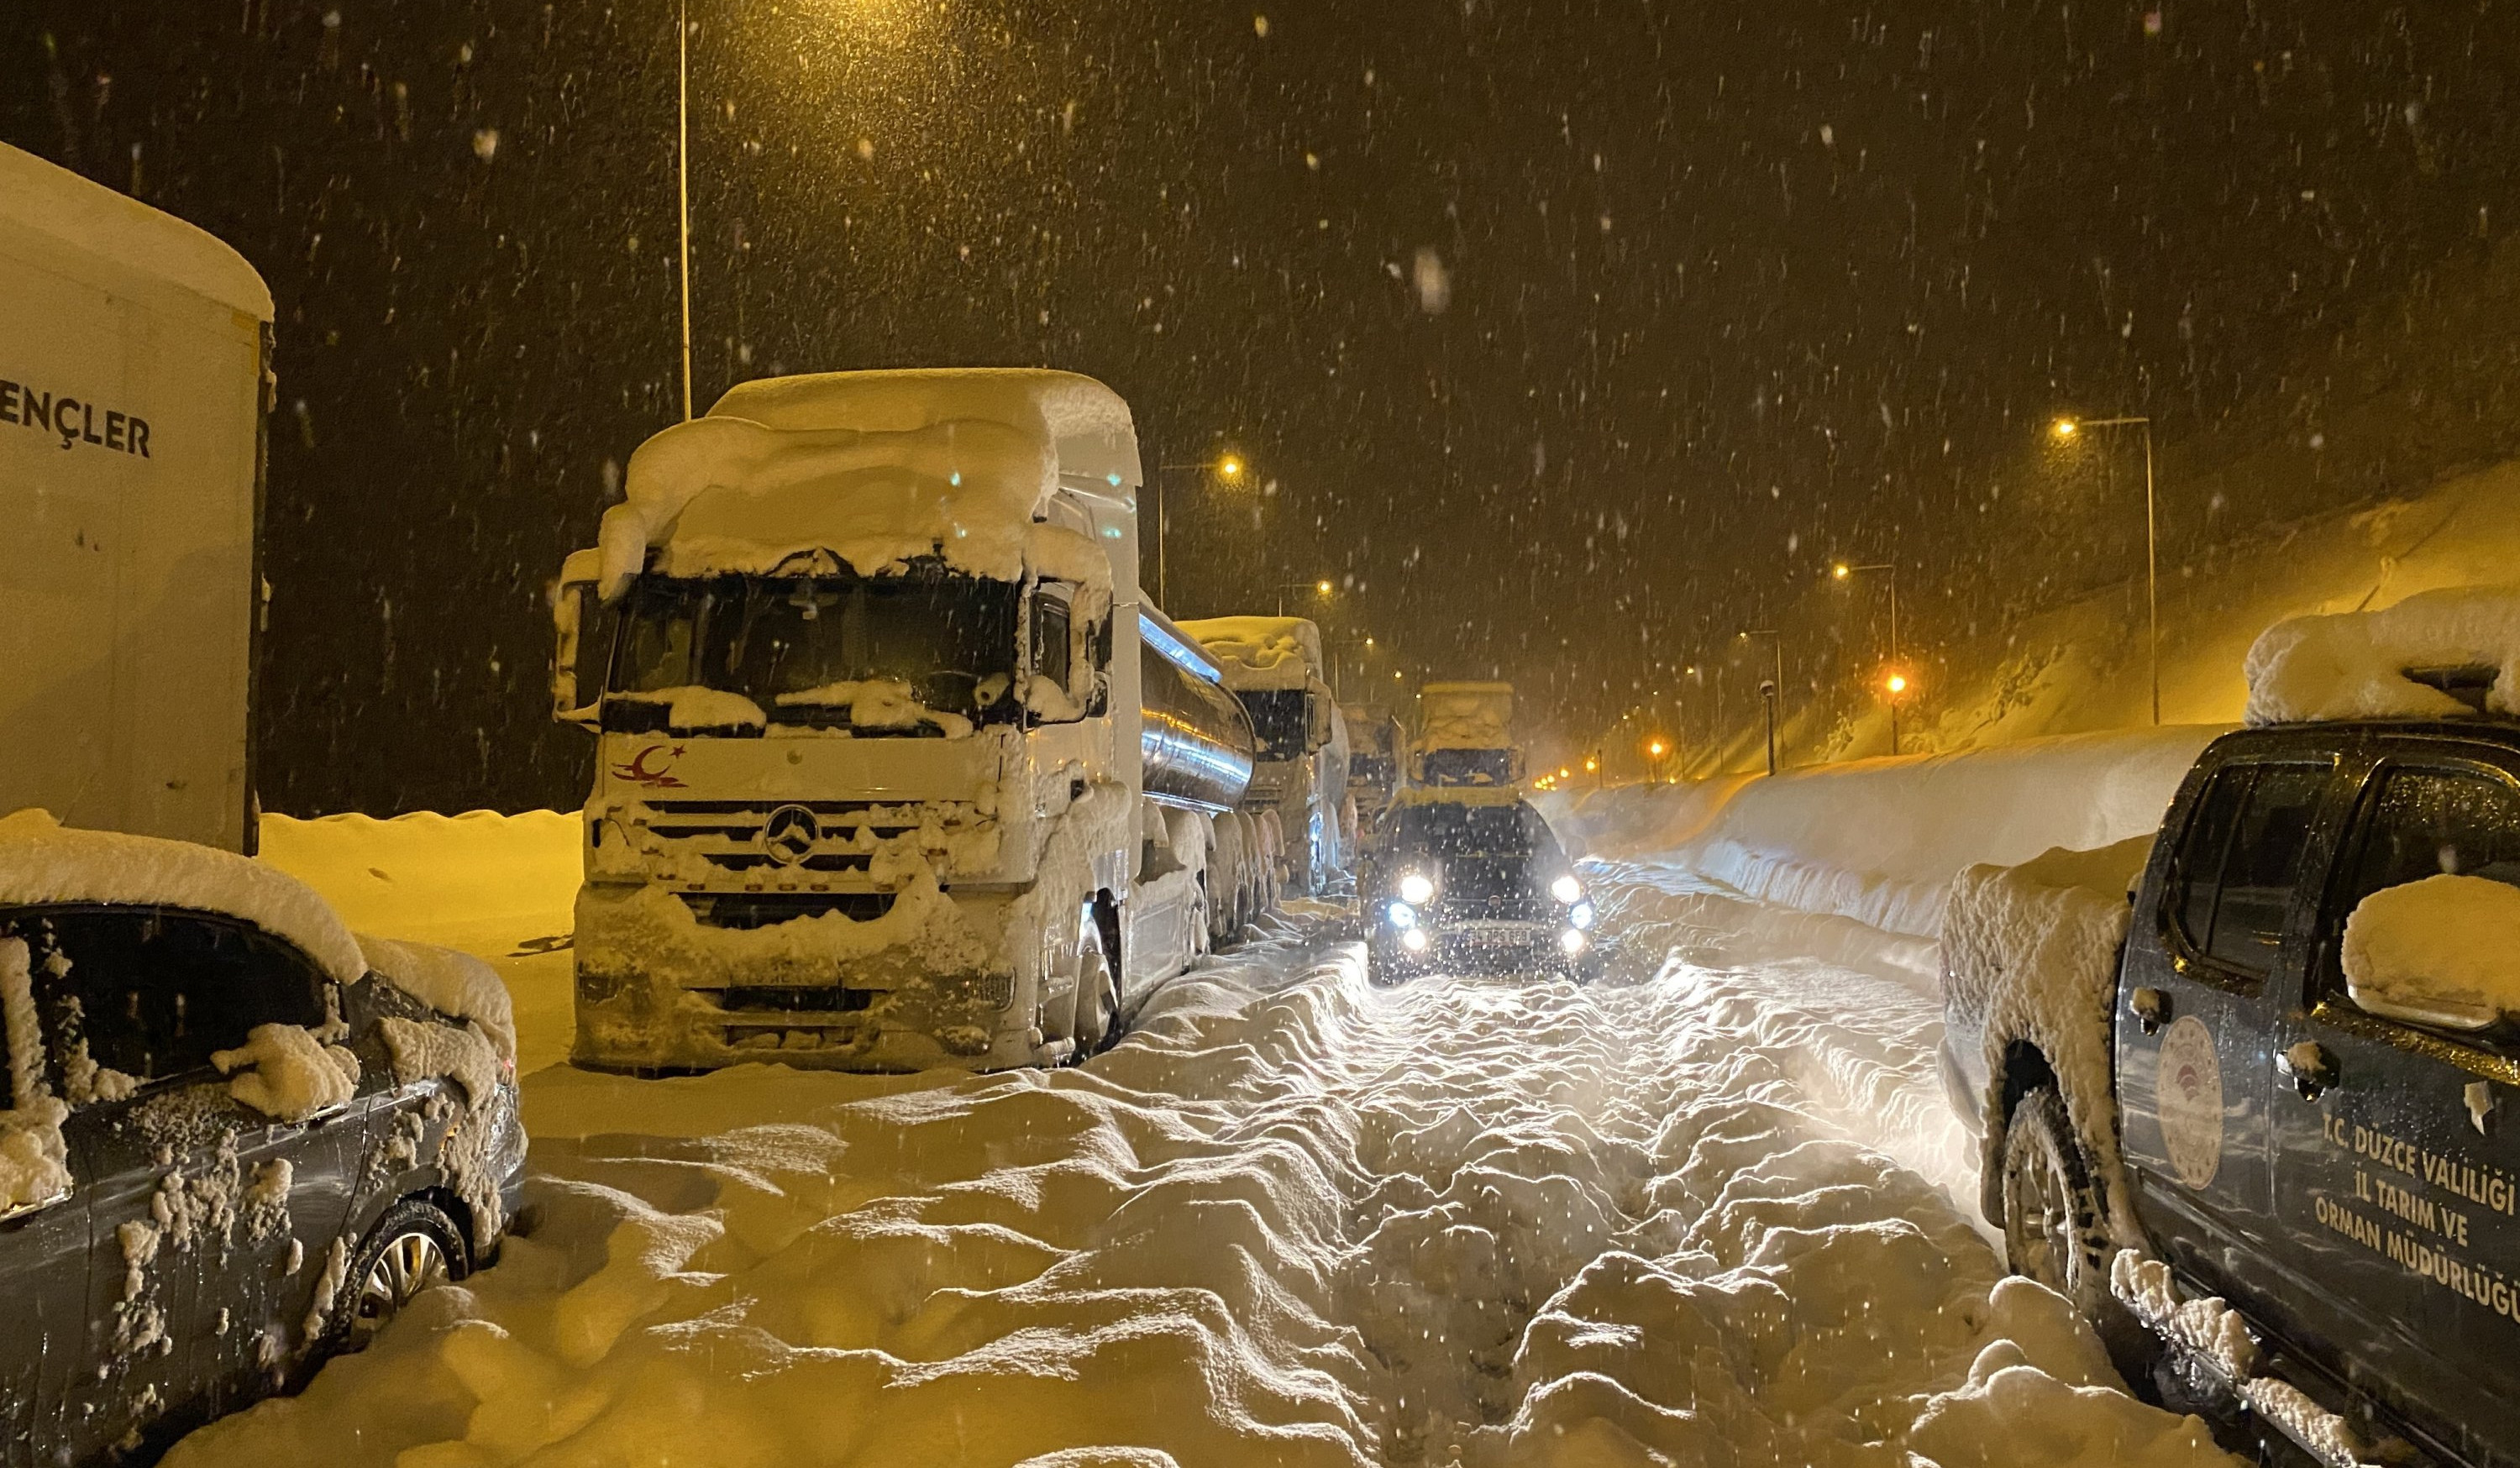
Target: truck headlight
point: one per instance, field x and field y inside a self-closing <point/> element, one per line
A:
<point x="1566" y="889"/>
<point x="1414" y="940"/>
<point x="1571" y="941"/>
<point x="1417" y="888"/>
<point x="1401" y="915"/>
<point x="1581" y="917"/>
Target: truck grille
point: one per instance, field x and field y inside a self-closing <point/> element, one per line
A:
<point x="729" y="833"/>
<point x="761" y="910"/>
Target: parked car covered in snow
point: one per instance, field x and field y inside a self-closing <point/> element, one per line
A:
<point x="1472" y="881"/>
<point x="2257" y="1087"/>
<point x="237" y="1139"/>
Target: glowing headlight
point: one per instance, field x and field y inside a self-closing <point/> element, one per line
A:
<point x="1417" y="889"/>
<point x="1401" y="915"/>
<point x="1581" y="917"/>
<point x="1414" y="940"/>
<point x="1571" y="941"/>
<point x="1566" y="889"/>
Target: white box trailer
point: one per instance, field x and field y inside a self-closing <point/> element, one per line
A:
<point x="135" y="356"/>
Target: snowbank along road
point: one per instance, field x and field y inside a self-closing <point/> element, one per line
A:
<point x="1291" y="1220"/>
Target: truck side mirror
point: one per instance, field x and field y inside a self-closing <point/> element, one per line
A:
<point x="1318" y="715"/>
<point x="576" y="611"/>
<point x="1098" y="669"/>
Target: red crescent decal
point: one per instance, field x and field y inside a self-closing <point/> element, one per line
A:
<point x="2187" y="1085"/>
<point x="637" y="772"/>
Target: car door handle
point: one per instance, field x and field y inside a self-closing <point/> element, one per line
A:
<point x="2151" y="1009"/>
<point x="2308" y="1067"/>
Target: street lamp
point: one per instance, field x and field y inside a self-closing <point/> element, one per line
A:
<point x="1842" y="571"/>
<point x="1227" y="469"/>
<point x="1772" y="688"/>
<point x="2066" y="430"/>
<point x="1321" y="589"/>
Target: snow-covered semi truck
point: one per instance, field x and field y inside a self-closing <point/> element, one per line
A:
<point x="1274" y="666"/>
<point x="1466" y="736"/>
<point x="895" y="770"/>
<point x="135" y="359"/>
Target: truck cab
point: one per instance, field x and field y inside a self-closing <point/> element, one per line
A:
<point x="895" y="768"/>
<point x="1464" y="736"/>
<point x="1300" y="776"/>
<point x="2310" y="1106"/>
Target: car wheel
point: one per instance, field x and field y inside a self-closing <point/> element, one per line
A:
<point x="412" y="1248"/>
<point x="2051" y="1211"/>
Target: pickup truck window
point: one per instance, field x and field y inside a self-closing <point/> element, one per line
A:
<point x="2234" y="878"/>
<point x="2424" y="822"/>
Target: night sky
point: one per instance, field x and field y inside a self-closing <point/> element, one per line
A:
<point x="1568" y="337"/>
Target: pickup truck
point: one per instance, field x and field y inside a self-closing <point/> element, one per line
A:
<point x="2270" y="1180"/>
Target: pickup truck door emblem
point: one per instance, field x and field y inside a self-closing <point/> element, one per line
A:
<point x="2190" y="1101"/>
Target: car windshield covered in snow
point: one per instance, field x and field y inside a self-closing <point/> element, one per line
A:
<point x="1486" y="853"/>
<point x="803" y="648"/>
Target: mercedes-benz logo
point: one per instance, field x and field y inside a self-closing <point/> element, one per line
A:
<point x="789" y="834"/>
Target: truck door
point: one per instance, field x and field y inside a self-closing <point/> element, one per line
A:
<point x="2195" y="1010"/>
<point x="2398" y="1145"/>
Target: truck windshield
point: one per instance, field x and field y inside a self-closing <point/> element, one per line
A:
<point x="1280" y="717"/>
<point x="1469" y="766"/>
<point x="1486" y="852"/>
<point x="802" y="649"/>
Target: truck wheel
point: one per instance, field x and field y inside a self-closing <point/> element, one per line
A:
<point x="2051" y="1211"/>
<point x="413" y="1247"/>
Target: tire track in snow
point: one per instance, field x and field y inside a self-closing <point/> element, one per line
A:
<point x="1292" y="1221"/>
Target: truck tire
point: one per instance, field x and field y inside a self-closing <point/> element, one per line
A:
<point x="2052" y="1209"/>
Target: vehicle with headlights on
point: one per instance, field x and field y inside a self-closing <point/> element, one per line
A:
<point x="1472" y="881"/>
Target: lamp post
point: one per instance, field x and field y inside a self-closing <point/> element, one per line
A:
<point x="683" y="177"/>
<point x="1229" y="468"/>
<point x="1772" y="688"/>
<point x="2066" y="430"/>
<point x="1898" y="680"/>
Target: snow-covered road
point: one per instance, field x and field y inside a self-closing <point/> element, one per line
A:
<point x="1291" y="1220"/>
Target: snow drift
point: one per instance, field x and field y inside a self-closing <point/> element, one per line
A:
<point x="1289" y="1220"/>
<point x="1878" y="841"/>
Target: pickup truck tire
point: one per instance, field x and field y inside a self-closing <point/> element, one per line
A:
<point x="2051" y="1211"/>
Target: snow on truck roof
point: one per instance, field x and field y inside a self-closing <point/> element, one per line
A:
<point x="877" y="468"/>
<point x="2389" y="664"/>
<point x="1261" y="654"/>
<point x="42" y="861"/>
<point x="93" y="220"/>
